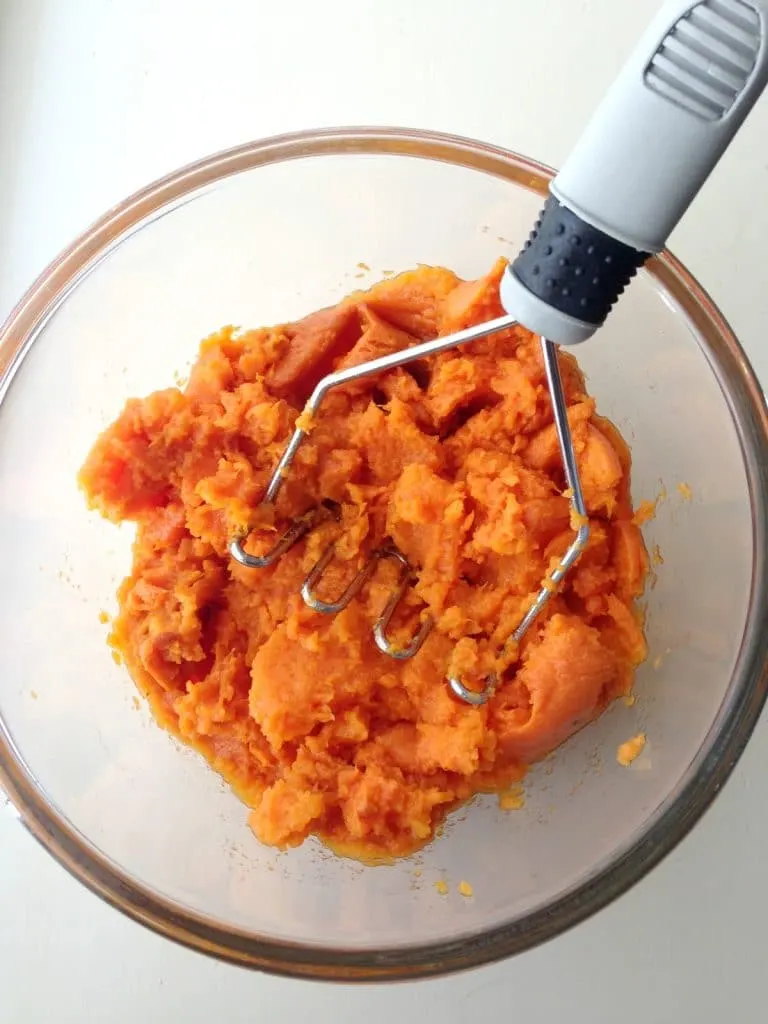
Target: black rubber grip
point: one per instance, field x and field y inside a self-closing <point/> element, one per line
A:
<point x="574" y="267"/>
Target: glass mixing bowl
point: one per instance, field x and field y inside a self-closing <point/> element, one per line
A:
<point x="263" y="234"/>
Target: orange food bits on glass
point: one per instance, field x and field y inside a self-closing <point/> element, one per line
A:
<point x="631" y="750"/>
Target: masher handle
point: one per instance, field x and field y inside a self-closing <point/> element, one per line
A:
<point x="648" y="149"/>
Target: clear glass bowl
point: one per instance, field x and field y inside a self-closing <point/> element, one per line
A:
<point x="262" y="234"/>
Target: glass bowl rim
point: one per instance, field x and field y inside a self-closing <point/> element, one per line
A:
<point x="705" y="775"/>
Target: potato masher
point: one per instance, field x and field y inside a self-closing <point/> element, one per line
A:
<point x="675" y="107"/>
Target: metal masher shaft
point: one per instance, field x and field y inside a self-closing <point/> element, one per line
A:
<point x="549" y="587"/>
<point x="370" y="369"/>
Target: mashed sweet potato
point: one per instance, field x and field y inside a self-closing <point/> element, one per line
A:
<point x="455" y="460"/>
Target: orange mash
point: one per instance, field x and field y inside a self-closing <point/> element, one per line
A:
<point x="455" y="460"/>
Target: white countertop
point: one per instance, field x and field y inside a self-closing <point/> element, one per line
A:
<point x="97" y="97"/>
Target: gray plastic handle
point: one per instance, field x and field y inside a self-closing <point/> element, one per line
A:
<point x="685" y="91"/>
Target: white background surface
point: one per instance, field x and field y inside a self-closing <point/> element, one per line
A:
<point x="97" y="97"/>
